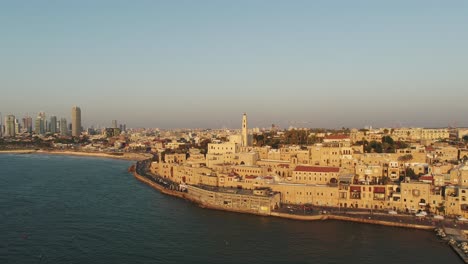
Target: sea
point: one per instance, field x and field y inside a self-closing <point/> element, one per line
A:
<point x="64" y="209"/>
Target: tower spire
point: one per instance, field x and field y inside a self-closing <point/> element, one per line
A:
<point x="245" y="139"/>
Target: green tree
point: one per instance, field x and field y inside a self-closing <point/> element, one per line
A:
<point x="441" y="208"/>
<point x="204" y="146"/>
<point x="386" y="180"/>
<point x="409" y="172"/>
<point x="388" y="140"/>
<point x="428" y="208"/>
<point x="465" y="138"/>
<point x="259" y="140"/>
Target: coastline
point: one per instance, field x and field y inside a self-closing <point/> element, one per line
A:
<point x="124" y="156"/>
<point x="278" y="214"/>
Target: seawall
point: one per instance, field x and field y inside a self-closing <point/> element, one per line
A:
<point x="186" y="196"/>
<point x="159" y="187"/>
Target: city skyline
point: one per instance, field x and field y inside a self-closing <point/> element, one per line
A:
<point x="227" y="124"/>
<point x="200" y="64"/>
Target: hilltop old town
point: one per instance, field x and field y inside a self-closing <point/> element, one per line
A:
<point x="406" y="170"/>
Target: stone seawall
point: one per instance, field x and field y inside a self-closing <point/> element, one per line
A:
<point x="189" y="197"/>
<point x="159" y="187"/>
<point x="201" y="204"/>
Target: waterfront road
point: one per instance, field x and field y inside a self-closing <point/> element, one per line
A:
<point x="373" y="214"/>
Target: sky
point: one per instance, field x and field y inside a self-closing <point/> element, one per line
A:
<point x="202" y="64"/>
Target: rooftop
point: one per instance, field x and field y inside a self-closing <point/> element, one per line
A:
<point x="317" y="169"/>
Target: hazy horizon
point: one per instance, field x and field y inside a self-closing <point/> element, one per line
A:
<point x="201" y="64"/>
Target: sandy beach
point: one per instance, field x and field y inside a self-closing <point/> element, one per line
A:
<point x="122" y="156"/>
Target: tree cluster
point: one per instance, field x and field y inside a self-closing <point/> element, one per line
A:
<point x="387" y="145"/>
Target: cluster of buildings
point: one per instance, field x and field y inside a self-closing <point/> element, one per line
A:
<point x="41" y="125"/>
<point x="336" y="172"/>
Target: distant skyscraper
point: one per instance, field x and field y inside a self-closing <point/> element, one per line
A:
<point x="10" y="126"/>
<point x="245" y="136"/>
<point x="63" y="127"/>
<point x="114" y="124"/>
<point x="17" y="126"/>
<point x="40" y="124"/>
<point x="53" y="125"/>
<point x="27" y="124"/>
<point x="76" y="121"/>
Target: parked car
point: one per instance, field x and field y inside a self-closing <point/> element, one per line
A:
<point x="420" y="214"/>
<point x="392" y="212"/>
<point x="461" y="218"/>
<point x="439" y="217"/>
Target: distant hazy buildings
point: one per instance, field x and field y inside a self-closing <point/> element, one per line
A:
<point x="27" y="124"/>
<point x="111" y="132"/>
<point x="114" y="124"/>
<point x="40" y="124"/>
<point x="53" y="125"/>
<point x="76" y="121"/>
<point x="17" y="126"/>
<point x="10" y="126"/>
<point x="63" y="127"/>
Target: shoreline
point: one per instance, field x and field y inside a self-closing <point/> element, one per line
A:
<point x="282" y="215"/>
<point x="124" y="156"/>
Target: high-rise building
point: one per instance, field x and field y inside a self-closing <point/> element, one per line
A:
<point x="114" y="124"/>
<point x="38" y="126"/>
<point x="53" y="125"/>
<point x="76" y="121"/>
<point x="63" y="127"/>
<point x="27" y="124"/>
<point x="41" y="124"/>
<point x="17" y="126"/>
<point x="10" y="126"/>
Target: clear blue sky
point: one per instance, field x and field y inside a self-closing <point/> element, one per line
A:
<point x="203" y="63"/>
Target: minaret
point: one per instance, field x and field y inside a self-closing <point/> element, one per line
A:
<point x="245" y="139"/>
